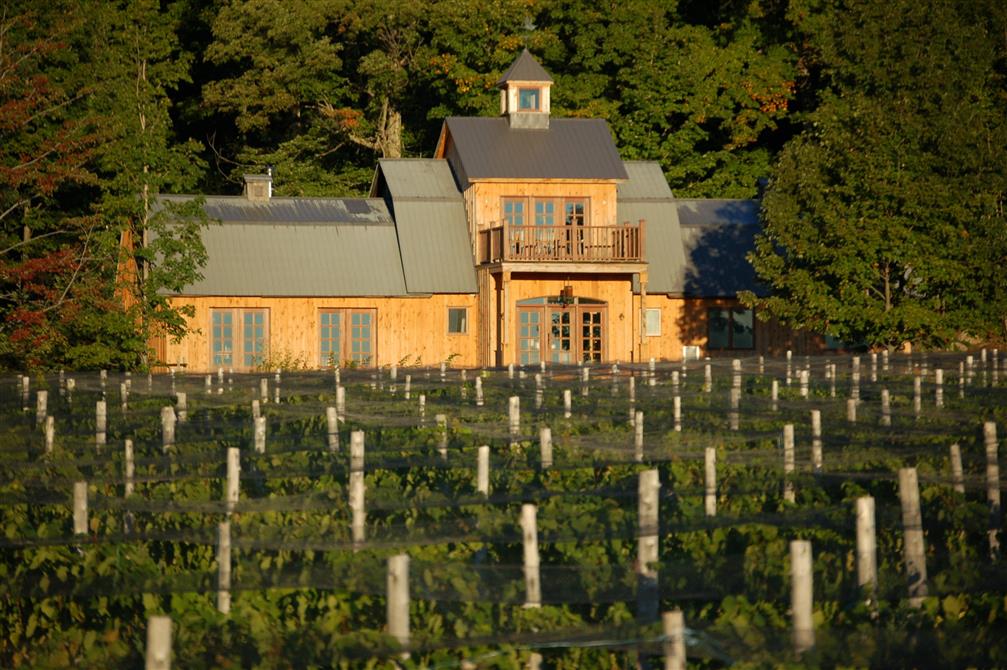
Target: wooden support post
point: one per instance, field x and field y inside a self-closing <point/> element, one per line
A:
<point x="585" y="381"/>
<point x="264" y="390"/>
<point x="483" y="470"/>
<point x="939" y="387"/>
<point x="100" y="422"/>
<point x="341" y="403"/>
<point x="867" y="546"/>
<point x="124" y="396"/>
<point x="25" y="391"/>
<point x="103" y="378"/>
<point x="357" y="507"/>
<point x="855" y="378"/>
<point x="676" y="380"/>
<point x="514" y="418"/>
<point x="260" y="435"/>
<point x="158" y="653"/>
<point x="529" y="536"/>
<point x="886" y="408"/>
<point x="332" y="428"/>
<point x="442" y="434"/>
<point x="957" y="476"/>
<point x="884" y="360"/>
<point x="510" y="371"/>
<point x="917" y="396"/>
<point x="914" y="546"/>
<point x="479" y="391"/>
<point x="568" y="403"/>
<point x="129" y="469"/>
<point x="167" y="427"/>
<point x="182" y="406"/>
<point x="762" y="365"/>
<point x="423" y="408"/>
<point x="256" y="411"/>
<point x="545" y="446"/>
<point x="631" y="390"/>
<point x="638" y="437"/>
<point x="992" y="486"/>
<point x="408" y="390"/>
<point x="673" y="628"/>
<point x="50" y="433"/>
<point x="874" y="367"/>
<point x="233" y="489"/>
<point x="805" y="383"/>
<point x="774" y="394"/>
<point x="736" y="373"/>
<point x="710" y="490"/>
<point x="80" y="508"/>
<point x="734" y="415"/>
<point x="816" y="440"/>
<point x="224" y="567"/>
<point x="789" y="463"/>
<point x="676" y="408"/>
<point x="41" y="404"/>
<point x="398" y="598"/>
<point x="832" y="380"/>
<point x="801" y="578"/>
<point x="707" y="378"/>
<point x="647" y="552"/>
<point x="851" y="410"/>
<point x="961" y="380"/>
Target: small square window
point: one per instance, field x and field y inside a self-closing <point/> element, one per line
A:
<point x="652" y="323"/>
<point x="528" y="99"/>
<point x="458" y="320"/>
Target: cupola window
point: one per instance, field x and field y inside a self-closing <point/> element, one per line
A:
<point x="529" y="99"/>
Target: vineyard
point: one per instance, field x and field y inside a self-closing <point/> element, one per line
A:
<point x="798" y="512"/>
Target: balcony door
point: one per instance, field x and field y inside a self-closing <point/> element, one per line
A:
<point x="561" y="331"/>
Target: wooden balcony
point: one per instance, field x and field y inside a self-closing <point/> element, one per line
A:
<point x="571" y="244"/>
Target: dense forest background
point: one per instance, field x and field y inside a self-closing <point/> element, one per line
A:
<point x="880" y="128"/>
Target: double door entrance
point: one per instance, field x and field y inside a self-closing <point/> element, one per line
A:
<point x="561" y="330"/>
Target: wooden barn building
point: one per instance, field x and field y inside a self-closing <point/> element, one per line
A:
<point x="525" y="238"/>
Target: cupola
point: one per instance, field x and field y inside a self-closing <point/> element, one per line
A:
<point x="524" y="94"/>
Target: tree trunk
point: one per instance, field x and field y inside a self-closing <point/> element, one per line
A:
<point x="391" y="134"/>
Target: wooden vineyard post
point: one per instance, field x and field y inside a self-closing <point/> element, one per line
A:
<point x="675" y="382"/>
<point x="233" y="489"/>
<point x="568" y="403"/>
<point x="867" y="554"/>
<point x="939" y="387"/>
<point x="790" y="369"/>
<point x="332" y="428"/>
<point x="992" y="486"/>
<point x="710" y="490"/>
<point x="208" y="384"/>
<point x="124" y="396"/>
<point x="736" y="373"/>
<point x="917" y="396"/>
<point x="398" y="598"/>
<point x="874" y="367"/>
<point x="260" y="435"/>
<point x="886" y="408"/>
<point x="407" y="391"/>
<point x="25" y="391"/>
<point x="832" y="380"/>
<point x="545" y="446"/>
<point x="638" y="437"/>
<point x="957" y="475"/>
<point x="444" y="371"/>
<point x="851" y="410"/>
<point x="479" y="391"/>
<point x="631" y="390"/>
<point x="264" y="390"/>
<point x="529" y="537"/>
<point x="256" y="410"/>
<point x="805" y="382"/>
<point x="774" y="394"/>
<point x="585" y="382"/>
<point x="789" y="462"/>
<point x="341" y="403"/>
<point x="50" y="433"/>
<point x="167" y="427"/>
<point x="677" y="413"/>
<point x="514" y="418"/>
<point x="855" y="378"/>
<point x="41" y="403"/>
<point x="129" y="469"/>
<point x="483" y="470"/>
<point x="961" y="379"/>
<point x="224" y="567"/>
<point x="71" y="384"/>
<point x="649" y="489"/>
<point x="801" y="578"/>
<point x="100" y="422"/>
<point x="914" y="546"/>
<point x="158" y="653"/>
<point x="733" y="415"/>
<point x="80" y="508"/>
<point x="673" y="628"/>
<point x="442" y="434"/>
<point x="183" y="408"/>
<point x="359" y="513"/>
<point x="816" y="440"/>
<point x="423" y="408"/>
<point x="707" y="378"/>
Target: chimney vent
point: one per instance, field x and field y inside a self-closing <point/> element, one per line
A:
<point x="259" y="186"/>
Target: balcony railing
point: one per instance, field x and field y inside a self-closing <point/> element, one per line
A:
<point x="585" y="244"/>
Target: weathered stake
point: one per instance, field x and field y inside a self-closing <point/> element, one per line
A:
<point x="649" y="488"/>
<point x="789" y="462"/>
<point x="545" y="446"/>
<point x="710" y="491"/>
<point x="398" y="598"/>
<point x="80" y="508"/>
<point x="483" y="470"/>
<point x="801" y="578"/>
<point x="224" y="567"/>
<point x="816" y="440"/>
<point x="867" y="561"/>
<point x="673" y="627"/>
<point x="158" y="654"/>
<point x="914" y="546"/>
<point x="529" y="536"/>
<point x="957" y="474"/>
<point x="992" y="486"/>
<point x="233" y="478"/>
<point x="332" y="428"/>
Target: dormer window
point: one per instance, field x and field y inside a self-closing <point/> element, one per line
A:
<point x="529" y="99"/>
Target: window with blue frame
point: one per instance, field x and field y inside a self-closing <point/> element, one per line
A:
<point x="239" y="338"/>
<point x="347" y="337"/>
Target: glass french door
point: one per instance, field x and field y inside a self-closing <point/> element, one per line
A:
<point x="563" y="331"/>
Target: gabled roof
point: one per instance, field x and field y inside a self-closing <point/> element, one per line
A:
<point x="569" y="149"/>
<point x="299" y="247"/>
<point x="717" y="236"/>
<point x="429" y="216"/>
<point x="524" y="68"/>
<point x="647" y="196"/>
